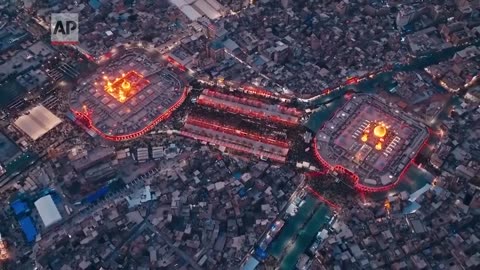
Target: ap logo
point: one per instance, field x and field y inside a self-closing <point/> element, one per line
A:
<point x="64" y="28"/>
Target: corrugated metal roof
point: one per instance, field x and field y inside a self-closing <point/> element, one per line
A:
<point x="190" y="12"/>
<point x="207" y="9"/>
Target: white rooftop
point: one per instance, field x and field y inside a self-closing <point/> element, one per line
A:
<point x="190" y="12"/>
<point x="195" y="9"/>
<point x="207" y="9"/>
<point x="37" y="121"/>
<point x="47" y="210"/>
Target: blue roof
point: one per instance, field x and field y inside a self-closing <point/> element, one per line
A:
<point x="56" y="197"/>
<point x="242" y="192"/>
<point x="95" y="4"/>
<point x="19" y="207"/>
<point x="28" y="228"/>
<point x="411" y="208"/>
<point x="97" y="195"/>
<point x="250" y="264"/>
<point x="261" y="253"/>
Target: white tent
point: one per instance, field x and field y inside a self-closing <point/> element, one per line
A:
<point x="37" y="121"/>
<point x="47" y="210"/>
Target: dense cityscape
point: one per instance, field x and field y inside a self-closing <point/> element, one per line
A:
<point x="239" y="134"/>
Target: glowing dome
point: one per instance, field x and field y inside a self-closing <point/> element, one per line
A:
<point x="380" y="131"/>
<point x="126" y="85"/>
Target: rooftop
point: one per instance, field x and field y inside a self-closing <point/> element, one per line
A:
<point x="372" y="140"/>
<point x="47" y="210"/>
<point x="37" y="121"/>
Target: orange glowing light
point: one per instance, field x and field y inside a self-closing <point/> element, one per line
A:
<point x="378" y="146"/>
<point x="364" y="137"/>
<point x="387" y="206"/>
<point x="3" y="250"/>
<point x="380" y="131"/>
<point x="126" y="86"/>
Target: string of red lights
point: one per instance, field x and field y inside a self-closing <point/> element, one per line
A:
<point x="206" y="101"/>
<point x="354" y="177"/>
<point x="258" y="92"/>
<point x="86" y="119"/>
<point x="323" y="199"/>
<point x="235" y="131"/>
<point x="177" y="64"/>
<point x="252" y="102"/>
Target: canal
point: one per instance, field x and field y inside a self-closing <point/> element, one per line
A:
<point x="305" y="237"/>
<point x="414" y="179"/>
<point x="299" y="232"/>
<point x="293" y="224"/>
<point x="326" y="106"/>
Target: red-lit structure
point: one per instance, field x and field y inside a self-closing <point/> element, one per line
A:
<point x="356" y="179"/>
<point x="311" y="176"/>
<point x="323" y="199"/>
<point x="250" y="107"/>
<point x="131" y="104"/>
<point x="235" y="138"/>
<point x="236" y="131"/>
<point x="353" y="80"/>
<point x="126" y="86"/>
<point x="176" y="64"/>
<point x="85" y="117"/>
<point x="369" y="135"/>
<point x="255" y="91"/>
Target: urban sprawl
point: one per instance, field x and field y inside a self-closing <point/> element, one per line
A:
<point x="240" y="134"/>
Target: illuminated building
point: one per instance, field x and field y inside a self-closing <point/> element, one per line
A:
<point x="127" y="97"/>
<point x="248" y="104"/>
<point x="236" y="139"/>
<point x="3" y="249"/>
<point x="380" y="131"/>
<point x="371" y="142"/>
<point x="125" y="86"/>
<point x="251" y="108"/>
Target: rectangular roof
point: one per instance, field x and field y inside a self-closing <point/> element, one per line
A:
<point x="250" y="264"/>
<point x="216" y="5"/>
<point x="178" y="3"/>
<point x="37" y="122"/>
<point x="47" y="210"/>
<point x="28" y="228"/>
<point x="190" y="12"/>
<point x="19" y="207"/>
<point x="207" y="9"/>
